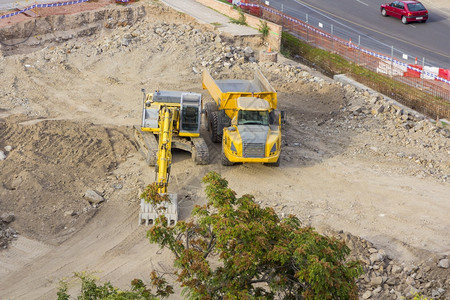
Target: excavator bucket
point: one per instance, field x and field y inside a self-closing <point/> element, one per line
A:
<point x="149" y="212"/>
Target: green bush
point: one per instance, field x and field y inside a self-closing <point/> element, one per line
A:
<point x="91" y="290"/>
<point x="263" y="28"/>
<point x="242" y="20"/>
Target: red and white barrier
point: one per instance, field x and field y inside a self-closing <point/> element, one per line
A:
<point x="426" y="72"/>
<point x="415" y="71"/>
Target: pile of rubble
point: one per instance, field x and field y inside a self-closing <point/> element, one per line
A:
<point x="7" y="233"/>
<point x="386" y="278"/>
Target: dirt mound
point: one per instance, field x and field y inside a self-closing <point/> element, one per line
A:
<point x="50" y="166"/>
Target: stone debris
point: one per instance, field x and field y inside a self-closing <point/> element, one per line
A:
<point x="7" y="217"/>
<point x="7" y="233"/>
<point x="444" y="263"/>
<point x="385" y="278"/>
<point x="93" y="197"/>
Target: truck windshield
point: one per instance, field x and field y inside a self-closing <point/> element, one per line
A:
<point x="246" y="117"/>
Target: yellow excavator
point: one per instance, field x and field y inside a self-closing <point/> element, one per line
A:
<point x="170" y="119"/>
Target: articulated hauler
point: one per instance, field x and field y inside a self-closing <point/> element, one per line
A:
<point x="244" y="118"/>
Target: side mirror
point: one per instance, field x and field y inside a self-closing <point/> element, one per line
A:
<point x="283" y="116"/>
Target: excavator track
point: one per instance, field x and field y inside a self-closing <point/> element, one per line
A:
<point x="148" y="145"/>
<point x="200" y="152"/>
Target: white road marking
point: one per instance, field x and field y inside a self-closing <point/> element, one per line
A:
<point x="362" y="2"/>
<point x="412" y="25"/>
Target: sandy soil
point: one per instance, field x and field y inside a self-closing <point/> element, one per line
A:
<point x="67" y="109"/>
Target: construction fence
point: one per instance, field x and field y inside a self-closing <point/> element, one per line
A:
<point x="431" y="95"/>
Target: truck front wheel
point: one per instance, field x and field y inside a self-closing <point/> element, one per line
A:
<point x="275" y="164"/>
<point x="225" y="161"/>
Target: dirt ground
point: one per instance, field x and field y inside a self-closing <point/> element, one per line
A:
<point x="67" y="107"/>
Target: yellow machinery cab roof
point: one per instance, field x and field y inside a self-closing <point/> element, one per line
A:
<point x="252" y="103"/>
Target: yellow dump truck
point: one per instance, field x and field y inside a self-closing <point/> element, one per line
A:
<point x="243" y="117"/>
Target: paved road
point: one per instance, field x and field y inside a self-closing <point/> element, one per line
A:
<point x="361" y="21"/>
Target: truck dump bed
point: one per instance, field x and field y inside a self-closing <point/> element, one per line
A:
<point x="225" y="92"/>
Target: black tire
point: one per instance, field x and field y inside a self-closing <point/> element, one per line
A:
<point x="383" y="13"/>
<point x="404" y="20"/>
<point x="225" y="161"/>
<point x="275" y="164"/>
<point x="209" y="108"/>
<point x="216" y="137"/>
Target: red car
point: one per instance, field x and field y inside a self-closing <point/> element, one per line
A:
<point x="407" y="11"/>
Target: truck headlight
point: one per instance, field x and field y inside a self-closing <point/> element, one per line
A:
<point x="274" y="149"/>
<point x="233" y="148"/>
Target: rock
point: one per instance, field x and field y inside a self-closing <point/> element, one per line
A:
<point x="391" y="281"/>
<point x="93" y="197"/>
<point x="410" y="281"/>
<point x="356" y="109"/>
<point x="437" y="293"/>
<point x="367" y="295"/>
<point x="396" y="269"/>
<point x="444" y="263"/>
<point x="377" y="110"/>
<point x="7" y="217"/>
<point x="248" y="51"/>
<point x="376" y="281"/>
<point x="410" y="291"/>
<point x="2" y="155"/>
<point x="8" y="148"/>
<point x="376" y="257"/>
<point x="10" y="233"/>
<point x="377" y="290"/>
<point x="69" y="213"/>
<point x="117" y="185"/>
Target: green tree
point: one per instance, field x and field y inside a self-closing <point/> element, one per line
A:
<point x="232" y="248"/>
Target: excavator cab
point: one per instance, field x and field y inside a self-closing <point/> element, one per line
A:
<point x="190" y="109"/>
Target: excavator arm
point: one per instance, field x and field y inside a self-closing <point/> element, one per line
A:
<point x="166" y="117"/>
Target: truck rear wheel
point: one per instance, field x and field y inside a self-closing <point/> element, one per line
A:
<point x="216" y="137"/>
<point x="209" y="107"/>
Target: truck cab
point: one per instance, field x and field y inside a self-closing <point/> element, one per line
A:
<point x="254" y="134"/>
